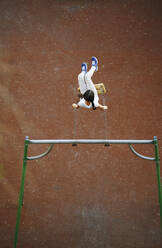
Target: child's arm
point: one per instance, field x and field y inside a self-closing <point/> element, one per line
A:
<point x="102" y="107"/>
<point x="74" y="105"/>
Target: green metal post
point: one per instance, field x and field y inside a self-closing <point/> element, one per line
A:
<point x="21" y="191"/>
<point x="158" y="175"/>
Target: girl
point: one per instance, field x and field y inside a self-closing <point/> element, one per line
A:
<point x="89" y="96"/>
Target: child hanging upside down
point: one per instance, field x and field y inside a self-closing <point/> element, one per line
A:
<point x="89" y="96"/>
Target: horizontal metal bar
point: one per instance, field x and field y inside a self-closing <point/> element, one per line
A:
<point x="89" y="141"/>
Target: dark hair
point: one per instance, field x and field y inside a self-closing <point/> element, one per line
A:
<point x="89" y="96"/>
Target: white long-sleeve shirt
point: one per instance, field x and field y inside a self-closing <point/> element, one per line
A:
<point x="82" y="103"/>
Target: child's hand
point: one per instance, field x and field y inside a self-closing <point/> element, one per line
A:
<point x="102" y="107"/>
<point x="74" y="105"/>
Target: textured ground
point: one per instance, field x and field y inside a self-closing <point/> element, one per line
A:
<point x="84" y="196"/>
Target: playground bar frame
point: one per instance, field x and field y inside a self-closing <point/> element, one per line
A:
<point x="90" y="141"/>
<point x="51" y="142"/>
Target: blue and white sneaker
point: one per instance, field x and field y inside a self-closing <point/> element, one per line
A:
<point x="95" y="62"/>
<point x="84" y="66"/>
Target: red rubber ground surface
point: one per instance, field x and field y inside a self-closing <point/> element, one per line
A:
<point x="84" y="196"/>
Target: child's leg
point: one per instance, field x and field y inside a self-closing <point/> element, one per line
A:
<point x="81" y="82"/>
<point x="89" y="81"/>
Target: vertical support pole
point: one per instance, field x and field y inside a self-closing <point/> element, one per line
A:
<point x="21" y="191"/>
<point x="158" y="175"/>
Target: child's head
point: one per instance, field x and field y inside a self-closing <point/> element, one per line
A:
<point x="89" y="97"/>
